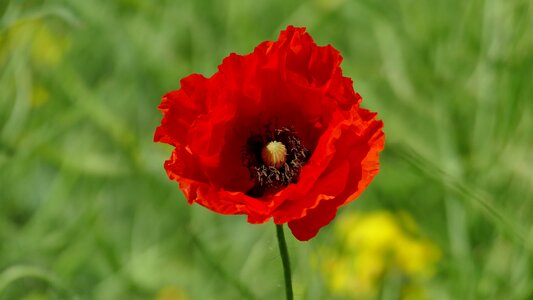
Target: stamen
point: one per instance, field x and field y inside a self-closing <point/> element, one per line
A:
<point x="274" y="160"/>
<point x="274" y="154"/>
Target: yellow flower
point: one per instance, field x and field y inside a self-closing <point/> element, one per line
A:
<point x="415" y="257"/>
<point x="39" y="95"/>
<point x="373" y="244"/>
<point x="46" y="47"/>
<point x="171" y="293"/>
<point x="376" y="231"/>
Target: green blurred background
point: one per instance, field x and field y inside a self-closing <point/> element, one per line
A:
<point x="86" y="209"/>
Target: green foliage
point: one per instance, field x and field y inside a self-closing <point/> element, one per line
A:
<point x="86" y="210"/>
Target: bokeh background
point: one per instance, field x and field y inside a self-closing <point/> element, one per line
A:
<point x="87" y="212"/>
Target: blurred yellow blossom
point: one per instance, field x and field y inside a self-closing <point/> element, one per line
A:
<point x="46" y="46"/>
<point x="370" y="246"/>
<point x="171" y="293"/>
<point x="39" y="95"/>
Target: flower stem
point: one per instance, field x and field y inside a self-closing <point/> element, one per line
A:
<point x="285" y="259"/>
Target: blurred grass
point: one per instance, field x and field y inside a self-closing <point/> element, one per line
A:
<point x="86" y="210"/>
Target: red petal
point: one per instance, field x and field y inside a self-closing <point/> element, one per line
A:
<point x="180" y="108"/>
<point x="363" y="156"/>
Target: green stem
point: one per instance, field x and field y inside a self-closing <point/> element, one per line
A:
<point x="285" y="259"/>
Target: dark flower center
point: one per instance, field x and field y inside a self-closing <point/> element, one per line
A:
<point x="274" y="159"/>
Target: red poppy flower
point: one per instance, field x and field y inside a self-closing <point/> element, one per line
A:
<point x="277" y="133"/>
